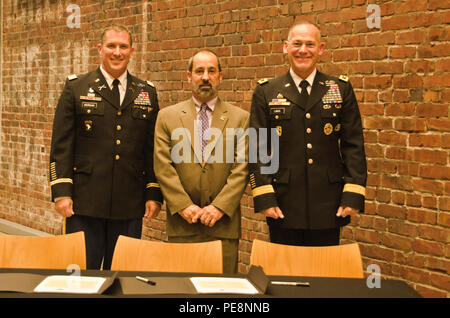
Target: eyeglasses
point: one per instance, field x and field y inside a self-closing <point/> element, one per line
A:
<point x="299" y="44"/>
<point x="201" y="71"/>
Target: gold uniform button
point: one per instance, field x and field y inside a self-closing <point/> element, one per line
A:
<point x="308" y="115"/>
<point x="118" y="142"/>
<point x="117" y="157"/>
<point x="88" y="111"/>
<point x="309" y="146"/>
<point x="310" y="161"/>
<point x="119" y="113"/>
<point x="276" y="116"/>
<point x="74" y="168"/>
<point x="308" y="130"/>
<point x="119" y="127"/>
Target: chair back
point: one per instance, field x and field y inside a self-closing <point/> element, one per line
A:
<point x="320" y="261"/>
<point x="131" y="254"/>
<point x="48" y="252"/>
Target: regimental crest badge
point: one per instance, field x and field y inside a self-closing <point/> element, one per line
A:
<point x="328" y="129"/>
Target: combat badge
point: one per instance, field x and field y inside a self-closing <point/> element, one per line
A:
<point x="280" y="100"/>
<point x="328" y="129"/>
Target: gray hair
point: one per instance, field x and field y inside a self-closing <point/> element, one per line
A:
<point x="191" y="60"/>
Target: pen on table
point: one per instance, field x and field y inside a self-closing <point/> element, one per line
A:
<point x="145" y="280"/>
<point x="304" y="284"/>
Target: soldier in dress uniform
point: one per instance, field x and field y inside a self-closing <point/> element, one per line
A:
<point x="322" y="165"/>
<point x="101" y="158"/>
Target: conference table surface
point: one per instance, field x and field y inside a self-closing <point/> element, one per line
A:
<point x="319" y="287"/>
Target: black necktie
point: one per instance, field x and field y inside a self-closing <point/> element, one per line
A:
<point x="115" y="92"/>
<point x="304" y="94"/>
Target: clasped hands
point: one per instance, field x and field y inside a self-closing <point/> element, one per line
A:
<point x="208" y="215"/>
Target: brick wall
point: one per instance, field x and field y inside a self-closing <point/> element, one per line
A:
<point x="400" y="73"/>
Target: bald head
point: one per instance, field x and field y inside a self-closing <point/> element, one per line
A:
<point x="314" y="29"/>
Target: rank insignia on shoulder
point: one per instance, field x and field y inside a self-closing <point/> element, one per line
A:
<point x="263" y="81"/>
<point x="72" y="77"/>
<point x="343" y="78"/>
<point x="150" y="84"/>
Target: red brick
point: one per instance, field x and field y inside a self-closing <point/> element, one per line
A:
<point x="427" y="247"/>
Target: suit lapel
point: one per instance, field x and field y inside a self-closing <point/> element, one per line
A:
<point x="219" y="121"/>
<point x="99" y="85"/>
<point x="132" y="92"/>
<point x="317" y="91"/>
<point x="188" y="116"/>
<point x="290" y="91"/>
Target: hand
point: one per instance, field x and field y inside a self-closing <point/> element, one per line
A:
<point x="191" y="213"/>
<point x="152" y="209"/>
<point x="64" y="207"/>
<point x="274" y="213"/>
<point x="210" y="215"/>
<point x="344" y="211"/>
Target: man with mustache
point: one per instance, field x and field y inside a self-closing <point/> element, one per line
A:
<point x="101" y="158"/>
<point x="202" y="194"/>
<point x="322" y="170"/>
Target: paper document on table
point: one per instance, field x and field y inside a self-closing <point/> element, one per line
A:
<point x="70" y="284"/>
<point x="223" y="285"/>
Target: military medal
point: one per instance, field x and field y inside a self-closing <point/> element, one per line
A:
<point x="142" y="99"/>
<point x="337" y="127"/>
<point x="328" y="129"/>
<point x="333" y="95"/>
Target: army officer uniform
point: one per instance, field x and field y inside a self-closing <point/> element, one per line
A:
<point x="102" y="154"/>
<point x="322" y="162"/>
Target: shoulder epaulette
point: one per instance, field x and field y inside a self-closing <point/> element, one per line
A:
<point x="72" y="77"/>
<point x="263" y="81"/>
<point x="343" y="78"/>
<point x="150" y="83"/>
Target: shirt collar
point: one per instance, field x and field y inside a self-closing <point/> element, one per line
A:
<point x="297" y="79"/>
<point x="210" y="104"/>
<point x="109" y="79"/>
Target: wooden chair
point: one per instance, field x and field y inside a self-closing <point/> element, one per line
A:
<point x="132" y="254"/>
<point x="326" y="261"/>
<point x="49" y="252"/>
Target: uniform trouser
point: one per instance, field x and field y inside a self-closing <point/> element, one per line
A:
<point x="101" y="236"/>
<point x="229" y="249"/>
<point x="300" y="237"/>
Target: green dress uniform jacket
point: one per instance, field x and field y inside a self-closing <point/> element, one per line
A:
<point x="322" y="162"/>
<point x="102" y="153"/>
